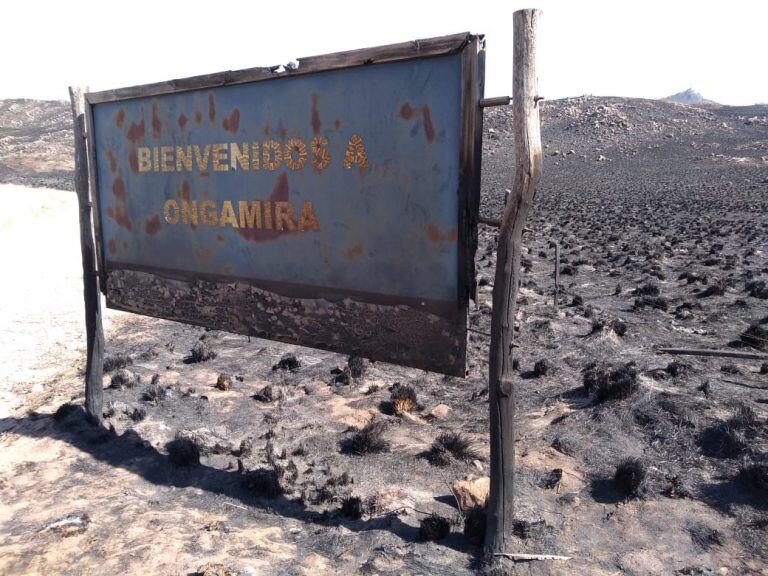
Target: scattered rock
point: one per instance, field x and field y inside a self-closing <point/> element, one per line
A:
<point x="269" y="394"/>
<point x="471" y="491"/>
<point x="224" y="382"/>
<point x="440" y="412"/>
<point x="69" y="525"/>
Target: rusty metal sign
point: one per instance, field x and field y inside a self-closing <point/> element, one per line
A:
<point x="332" y="204"/>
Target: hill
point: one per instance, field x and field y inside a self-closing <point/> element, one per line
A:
<point x="689" y="96"/>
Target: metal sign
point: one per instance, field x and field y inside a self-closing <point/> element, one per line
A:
<point x="331" y="205"/>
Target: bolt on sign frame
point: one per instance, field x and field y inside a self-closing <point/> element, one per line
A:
<point x="331" y="204"/>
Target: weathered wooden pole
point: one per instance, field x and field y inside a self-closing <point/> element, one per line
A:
<point x="94" y="365"/>
<point x="557" y="272"/>
<point x="526" y="127"/>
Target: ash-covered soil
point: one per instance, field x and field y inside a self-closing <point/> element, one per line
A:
<point x="253" y="462"/>
<point x="36" y="143"/>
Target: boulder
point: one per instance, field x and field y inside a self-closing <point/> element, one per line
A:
<point x="471" y="491"/>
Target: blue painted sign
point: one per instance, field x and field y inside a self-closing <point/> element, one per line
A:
<point x="338" y="188"/>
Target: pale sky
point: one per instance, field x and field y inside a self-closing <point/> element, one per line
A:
<point x="644" y="48"/>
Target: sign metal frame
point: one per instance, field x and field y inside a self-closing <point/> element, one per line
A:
<point x="422" y="342"/>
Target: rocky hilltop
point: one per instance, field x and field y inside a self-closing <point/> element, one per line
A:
<point x="689" y="96"/>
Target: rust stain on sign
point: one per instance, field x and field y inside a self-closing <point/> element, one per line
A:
<point x="211" y="107"/>
<point x="152" y="226"/>
<point x="157" y="126"/>
<point x="112" y="161"/>
<point x="231" y="123"/>
<point x="137" y="131"/>
<point x="118" y="211"/>
<point x="354" y="252"/>
<point x="316" y="123"/>
<point x="439" y="236"/>
<point x="409" y="113"/>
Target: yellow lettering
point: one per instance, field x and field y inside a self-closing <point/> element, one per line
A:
<point x="307" y="218"/>
<point x="202" y="159"/>
<point x="227" y="215"/>
<point x="155" y="159"/>
<point x="284" y="215"/>
<point x="355" y="153"/>
<point x="250" y="216"/>
<point x="220" y="158"/>
<point x="267" y="215"/>
<point x="320" y="156"/>
<point x="297" y="146"/>
<point x="144" y="156"/>
<point x="183" y="158"/>
<point x="270" y="148"/>
<point x="208" y="213"/>
<point x="189" y="212"/>
<point x="166" y="158"/>
<point x="254" y="155"/>
<point x="238" y="155"/>
<point x="171" y="211"/>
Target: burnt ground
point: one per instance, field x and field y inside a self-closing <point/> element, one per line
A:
<point x="36" y="143"/>
<point x="659" y="210"/>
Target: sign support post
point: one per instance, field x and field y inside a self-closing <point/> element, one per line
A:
<point x="528" y="157"/>
<point x="94" y="331"/>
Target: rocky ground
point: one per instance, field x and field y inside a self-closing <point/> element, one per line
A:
<point x="254" y="461"/>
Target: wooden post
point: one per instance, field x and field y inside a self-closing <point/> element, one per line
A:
<point x="557" y="271"/>
<point x="94" y="366"/>
<point x="526" y="127"/>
